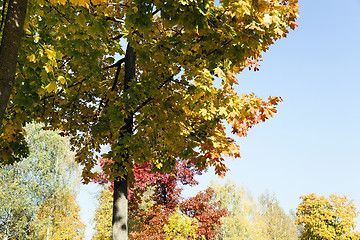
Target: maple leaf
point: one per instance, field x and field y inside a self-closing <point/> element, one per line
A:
<point x="293" y="25"/>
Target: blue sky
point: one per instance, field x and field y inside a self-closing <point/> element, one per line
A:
<point x="312" y="144"/>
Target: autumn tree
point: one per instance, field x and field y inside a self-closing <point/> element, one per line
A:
<point x="103" y="216"/>
<point x="58" y="218"/>
<point x="251" y="219"/>
<point x="157" y="208"/>
<point x="276" y="224"/>
<point x="243" y="219"/>
<point x="327" y="218"/>
<point x="27" y="187"/>
<point x="166" y="95"/>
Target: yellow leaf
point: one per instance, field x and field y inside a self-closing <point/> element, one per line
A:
<point x="222" y="111"/>
<point x="51" y="87"/>
<point x="48" y="69"/>
<point x="95" y="2"/>
<point x="80" y="2"/>
<point x="50" y="53"/>
<point x="36" y="38"/>
<point x="61" y="79"/>
<point x="267" y="20"/>
<point x="31" y="58"/>
<point x="41" y="92"/>
<point x="135" y="9"/>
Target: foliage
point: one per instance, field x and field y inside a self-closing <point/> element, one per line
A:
<point x="180" y="47"/>
<point x="206" y="212"/>
<point x="249" y="219"/>
<point x="155" y="198"/>
<point x="327" y="218"/>
<point x="146" y="177"/>
<point x="276" y="223"/>
<point x="47" y="174"/>
<point x="58" y="218"/>
<point x="150" y="223"/>
<point x="242" y="221"/>
<point x="180" y="227"/>
<point x="172" y="99"/>
<point x="103" y="216"/>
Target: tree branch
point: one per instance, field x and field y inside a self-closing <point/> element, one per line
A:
<point x="3" y="15"/>
<point x="118" y="63"/>
<point x="117" y="37"/>
<point x="115" y="19"/>
<point x="62" y="90"/>
<point x="143" y="104"/>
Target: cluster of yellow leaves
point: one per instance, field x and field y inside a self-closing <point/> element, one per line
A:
<point x="327" y="219"/>
<point x="180" y="227"/>
<point x="84" y="3"/>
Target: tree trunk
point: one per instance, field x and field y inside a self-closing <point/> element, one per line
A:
<point x="120" y="210"/>
<point x="120" y="204"/>
<point x="9" y="50"/>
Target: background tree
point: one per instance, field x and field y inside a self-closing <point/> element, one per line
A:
<point x="243" y="219"/>
<point x="276" y="223"/>
<point x="327" y="218"/>
<point x="58" y="218"/>
<point x="207" y="213"/>
<point x="103" y="216"/>
<point x="155" y="197"/>
<point x="249" y="219"/>
<point x="47" y="175"/>
<point x="172" y="96"/>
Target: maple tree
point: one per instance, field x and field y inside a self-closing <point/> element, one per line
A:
<point x="157" y="208"/>
<point x="327" y="218"/>
<point x="170" y="99"/>
<point x="202" y="216"/>
<point x="12" y="18"/>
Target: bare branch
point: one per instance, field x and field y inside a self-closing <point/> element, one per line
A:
<point x="118" y="63"/>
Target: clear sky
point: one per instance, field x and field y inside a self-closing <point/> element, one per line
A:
<point x="313" y="143"/>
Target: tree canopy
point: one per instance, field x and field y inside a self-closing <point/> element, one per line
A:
<point x="172" y="98"/>
<point x="180" y="46"/>
<point x="37" y="194"/>
<point x="327" y="218"/>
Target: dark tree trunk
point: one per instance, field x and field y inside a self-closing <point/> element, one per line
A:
<point x="120" y="204"/>
<point x="9" y="50"/>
